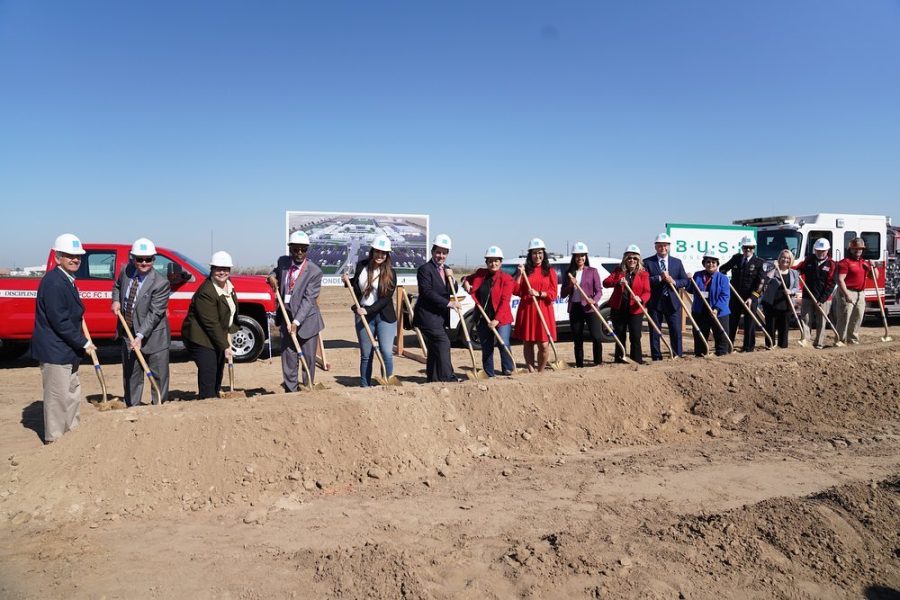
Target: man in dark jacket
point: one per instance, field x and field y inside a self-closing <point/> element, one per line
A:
<point x="665" y="271"/>
<point x="432" y="314"/>
<point x="748" y="278"/>
<point x="818" y="271"/>
<point x="58" y="342"/>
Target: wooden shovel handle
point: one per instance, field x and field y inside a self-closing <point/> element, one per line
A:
<point x="139" y="355"/>
<point x="540" y="314"/>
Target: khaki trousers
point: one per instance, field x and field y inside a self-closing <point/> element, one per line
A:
<point x="850" y="315"/>
<point x="811" y="316"/>
<point x="62" y="399"/>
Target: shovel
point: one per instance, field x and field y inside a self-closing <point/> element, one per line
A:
<point x="712" y="314"/>
<point x="887" y="333"/>
<point x="556" y="364"/>
<point x="752" y="316"/>
<point x="837" y="337"/>
<point x="96" y="361"/>
<point x="140" y="357"/>
<point x="326" y="366"/>
<point x="300" y="355"/>
<point x="606" y="324"/>
<point x="690" y="317"/>
<point x="475" y="373"/>
<point x="499" y="338"/>
<point x="649" y="320"/>
<point x="231" y="393"/>
<point x="802" y="341"/>
<point x="385" y="379"/>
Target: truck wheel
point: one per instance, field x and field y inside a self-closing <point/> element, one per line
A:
<point x="605" y="337"/>
<point x="460" y="337"/>
<point x="11" y="350"/>
<point x="248" y="340"/>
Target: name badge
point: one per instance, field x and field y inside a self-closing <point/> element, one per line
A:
<point x="704" y="293"/>
<point x="287" y="298"/>
<point x="826" y="269"/>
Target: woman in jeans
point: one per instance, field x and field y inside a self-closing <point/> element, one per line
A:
<point x="492" y="289"/>
<point x="373" y="284"/>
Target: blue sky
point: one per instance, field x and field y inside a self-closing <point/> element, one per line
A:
<point x="593" y="120"/>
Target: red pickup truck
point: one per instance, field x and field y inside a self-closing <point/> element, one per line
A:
<point x="100" y="266"/>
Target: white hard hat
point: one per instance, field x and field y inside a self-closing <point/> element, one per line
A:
<point x="663" y="238"/>
<point x="633" y="249"/>
<point x="580" y="248"/>
<point x="68" y="243"/>
<point x="822" y="244"/>
<point x="711" y="254"/>
<point x="493" y="252"/>
<point x="299" y="237"/>
<point x="143" y="247"/>
<point x="442" y="240"/>
<point x="748" y="240"/>
<point x="382" y="242"/>
<point x="537" y="244"/>
<point x="221" y="259"/>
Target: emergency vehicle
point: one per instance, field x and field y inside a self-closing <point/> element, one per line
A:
<point x="799" y="233"/>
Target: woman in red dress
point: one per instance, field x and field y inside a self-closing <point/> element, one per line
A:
<point x="529" y="327"/>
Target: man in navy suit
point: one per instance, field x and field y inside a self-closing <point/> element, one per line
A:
<point x="432" y="314"/>
<point x="664" y="305"/>
<point x="58" y="342"/>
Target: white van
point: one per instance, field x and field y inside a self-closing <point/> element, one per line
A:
<point x="604" y="264"/>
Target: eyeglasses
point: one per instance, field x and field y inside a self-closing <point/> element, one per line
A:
<point x="70" y="256"/>
<point x="144" y="259"/>
<point x="631" y="258"/>
<point x="298" y="247"/>
<point x="221" y="269"/>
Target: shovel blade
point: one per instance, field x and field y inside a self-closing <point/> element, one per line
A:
<point x="804" y="343"/>
<point x="559" y="366"/>
<point x="887" y="338"/>
<point x="392" y="380"/>
<point x="476" y="374"/>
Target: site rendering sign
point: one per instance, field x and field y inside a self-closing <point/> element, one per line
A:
<point x="340" y="240"/>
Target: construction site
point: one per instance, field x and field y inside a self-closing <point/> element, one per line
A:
<point x="774" y="474"/>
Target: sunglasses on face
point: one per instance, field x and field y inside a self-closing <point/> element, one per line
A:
<point x="144" y="259"/>
<point x="70" y="256"/>
<point x="631" y="258"/>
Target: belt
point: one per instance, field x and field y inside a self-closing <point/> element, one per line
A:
<point x="852" y="290"/>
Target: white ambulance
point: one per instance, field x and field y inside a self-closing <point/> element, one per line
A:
<point x="604" y="264"/>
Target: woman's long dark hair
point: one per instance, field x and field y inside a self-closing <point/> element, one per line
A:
<point x="529" y="264"/>
<point x="385" y="277"/>
<point x="573" y="268"/>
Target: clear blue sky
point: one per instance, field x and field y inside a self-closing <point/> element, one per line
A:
<point x="592" y="120"/>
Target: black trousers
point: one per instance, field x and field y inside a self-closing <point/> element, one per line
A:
<point x="438" y="366"/>
<point x="738" y="314"/>
<point x="777" y="323"/>
<point x="210" y="367"/>
<point x="578" y="319"/>
<point x="705" y="323"/>
<point x="624" y="322"/>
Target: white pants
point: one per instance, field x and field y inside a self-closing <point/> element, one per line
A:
<point x="62" y="399"/>
<point x="850" y="315"/>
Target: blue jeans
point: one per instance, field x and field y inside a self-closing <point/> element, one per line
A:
<point x="489" y="342"/>
<point x="384" y="332"/>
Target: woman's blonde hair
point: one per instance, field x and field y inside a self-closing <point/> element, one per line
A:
<point x="640" y="263"/>
<point x="790" y="254"/>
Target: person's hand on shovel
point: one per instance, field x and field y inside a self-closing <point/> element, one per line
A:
<point x="273" y="282"/>
<point x="229" y="354"/>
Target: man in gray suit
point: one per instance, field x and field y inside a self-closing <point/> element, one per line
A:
<point x="298" y="281"/>
<point x="141" y="294"/>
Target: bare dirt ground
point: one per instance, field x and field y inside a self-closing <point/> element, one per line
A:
<point x="775" y="474"/>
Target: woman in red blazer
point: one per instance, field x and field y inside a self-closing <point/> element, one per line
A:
<point x="529" y="328"/>
<point x="580" y="311"/>
<point x="627" y="315"/>
<point x="492" y="289"/>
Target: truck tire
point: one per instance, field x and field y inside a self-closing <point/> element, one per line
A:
<point x="605" y="337"/>
<point x="11" y="350"/>
<point x="460" y="337"/>
<point x="248" y="341"/>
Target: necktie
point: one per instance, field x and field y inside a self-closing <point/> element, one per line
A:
<point x="129" y="303"/>
<point x="662" y="267"/>
<point x="443" y="275"/>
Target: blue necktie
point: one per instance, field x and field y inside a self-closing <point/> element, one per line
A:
<point x="662" y="267"/>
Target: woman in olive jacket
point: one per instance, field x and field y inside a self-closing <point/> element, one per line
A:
<point x="211" y="317"/>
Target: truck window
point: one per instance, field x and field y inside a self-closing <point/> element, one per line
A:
<point x="873" y="245"/>
<point x="771" y="243"/>
<point x="814" y="237"/>
<point x="161" y="265"/>
<point x="97" y="264"/>
<point x="848" y="235"/>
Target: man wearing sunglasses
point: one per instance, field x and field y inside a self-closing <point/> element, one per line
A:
<point x="141" y="294"/>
